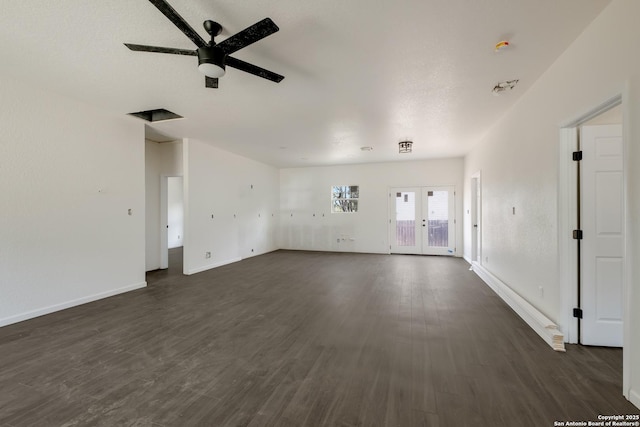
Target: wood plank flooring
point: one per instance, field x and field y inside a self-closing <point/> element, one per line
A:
<point x="301" y="339"/>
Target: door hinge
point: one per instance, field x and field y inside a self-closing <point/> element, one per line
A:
<point x="577" y="234"/>
<point x="577" y="312"/>
<point x="577" y="156"/>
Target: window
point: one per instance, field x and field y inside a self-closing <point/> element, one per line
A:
<point x="344" y="198"/>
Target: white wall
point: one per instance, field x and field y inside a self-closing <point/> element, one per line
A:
<point x="519" y="163"/>
<point x="69" y="173"/>
<point x="307" y="223"/>
<point x="230" y="207"/>
<point x="161" y="160"/>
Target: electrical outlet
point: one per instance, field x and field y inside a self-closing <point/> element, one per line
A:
<point x="207" y="254"/>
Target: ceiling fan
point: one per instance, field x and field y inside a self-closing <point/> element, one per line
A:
<point x="214" y="57"/>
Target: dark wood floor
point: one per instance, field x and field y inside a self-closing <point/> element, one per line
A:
<point x="301" y="339"/>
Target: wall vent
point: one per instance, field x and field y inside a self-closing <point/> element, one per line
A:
<point x="504" y="86"/>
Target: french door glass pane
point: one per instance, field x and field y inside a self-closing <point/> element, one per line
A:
<point x="438" y="218"/>
<point x="406" y="218"/>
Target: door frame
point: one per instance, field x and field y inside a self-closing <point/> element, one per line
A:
<point x="567" y="218"/>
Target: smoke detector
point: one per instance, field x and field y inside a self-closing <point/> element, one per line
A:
<point x="502" y="45"/>
<point x="504" y="86"/>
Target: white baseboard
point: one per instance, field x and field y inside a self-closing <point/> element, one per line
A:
<point x="255" y="254"/>
<point x="543" y="326"/>
<point x="57" y="307"/>
<point x="212" y="265"/>
<point x="634" y="397"/>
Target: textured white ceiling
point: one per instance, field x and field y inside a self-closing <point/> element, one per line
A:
<point x="357" y="72"/>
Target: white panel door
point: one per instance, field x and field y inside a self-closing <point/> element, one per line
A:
<point x="602" y="247"/>
<point x="422" y="220"/>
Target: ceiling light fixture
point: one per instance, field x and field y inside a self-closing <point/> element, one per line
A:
<point x="404" y="146"/>
<point x="366" y="148"/>
<point x="211" y="61"/>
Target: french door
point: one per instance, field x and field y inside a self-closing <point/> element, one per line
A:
<point x="422" y="220"/>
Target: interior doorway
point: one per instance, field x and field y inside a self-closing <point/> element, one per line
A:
<point x="175" y="212"/>
<point x="171" y="221"/>
<point x="476" y="218"/>
<point x="422" y="220"/>
<point x="606" y="204"/>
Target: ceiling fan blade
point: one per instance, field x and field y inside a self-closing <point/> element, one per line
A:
<point x="211" y="82"/>
<point x="158" y="49"/>
<point x="253" y="69"/>
<point x="249" y="35"/>
<point x="178" y="21"/>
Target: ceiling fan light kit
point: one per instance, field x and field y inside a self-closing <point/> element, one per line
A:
<point x="211" y="62"/>
<point x="214" y="57"/>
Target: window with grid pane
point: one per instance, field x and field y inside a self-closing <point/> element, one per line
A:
<point x="344" y="198"/>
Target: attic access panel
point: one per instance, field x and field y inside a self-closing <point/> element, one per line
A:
<point x="157" y="115"/>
